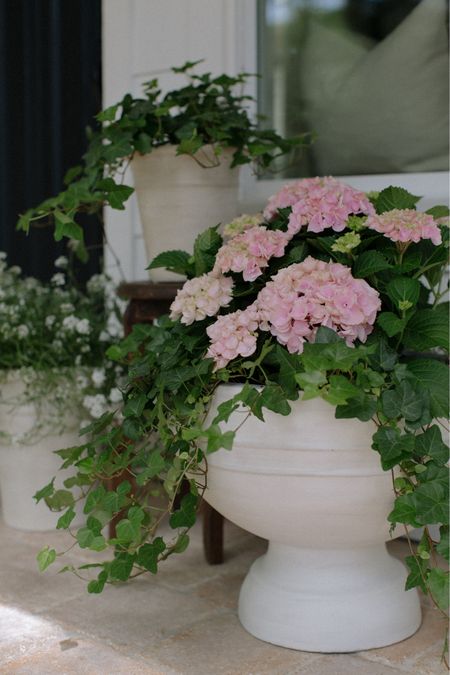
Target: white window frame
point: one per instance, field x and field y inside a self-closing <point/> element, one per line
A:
<point x="433" y="186"/>
<point x="236" y="52"/>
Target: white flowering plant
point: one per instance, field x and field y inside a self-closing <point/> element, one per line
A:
<point x="54" y="336"/>
<point x="331" y="293"/>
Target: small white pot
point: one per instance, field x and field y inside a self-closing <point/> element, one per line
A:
<point x="312" y="486"/>
<point x="27" y="467"/>
<point x="178" y="199"/>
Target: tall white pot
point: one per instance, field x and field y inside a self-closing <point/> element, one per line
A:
<point x="312" y="486"/>
<point x="178" y="198"/>
<point x="26" y="467"/>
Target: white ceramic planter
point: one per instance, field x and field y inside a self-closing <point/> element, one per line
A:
<point x="178" y="199"/>
<point x="312" y="486"/>
<point x="26" y="468"/>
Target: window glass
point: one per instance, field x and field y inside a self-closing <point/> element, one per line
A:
<point x="369" y="77"/>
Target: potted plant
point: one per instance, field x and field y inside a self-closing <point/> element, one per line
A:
<point x="184" y="148"/>
<point x="310" y="339"/>
<point x="54" y="378"/>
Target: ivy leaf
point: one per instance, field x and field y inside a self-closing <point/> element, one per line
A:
<point x="121" y="567"/>
<point x="431" y="501"/>
<point x="370" y="262"/>
<point x="181" y="543"/>
<point x="432" y="375"/>
<point x="189" y="146"/>
<point x="148" y="554"/>
<point x="430" y="443"/>
<point x="403" y="401"/>
<point x="117" y="194"/>
<point x="382" y="357"/>
<point x="392" y="446"/>
<point x="363" y="407"/>
<point x="273" y="398"/>
<point x="404" y="511"/>
<point x="218" y="439"/>
<point x="127" y="530"/>
<point x="340" y="390"/>
<point x="404" y="292"/>
<point x="154" y="465"/>
<point x="390" y="323"/>
<point x="417" y="573"/>
<point x="395" y="198"/>
<point x="45" y="492"/>
<point x="174" y="261"/>
<point x="66" y="227"/>
<point x="132" y="429"/>
<point x="45" y="558"/>
<point x="135" y="406"/>
<point x="427" y="329"/>
<point x="185" y="516"/>
<point x="97" y="585"/>
<point x="290" y="364"/>
<point x="438" y="583"/>
<point x="443" y="547"/>
<point x="65" y="520"/>
<point x="59" y="500"/>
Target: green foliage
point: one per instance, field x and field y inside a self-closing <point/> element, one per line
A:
<point x="207" y="114"/>
<point x="161" y="442"/>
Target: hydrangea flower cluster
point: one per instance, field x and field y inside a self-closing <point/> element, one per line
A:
<point x="313" y="293"/>
<point x="233" y="335"/>
<point x="250" y="252"/>
<point x="201" y="297"/>
<point x="318" y="203"/>
<point x="241" y="224"/>
<point x="406" y="225"/>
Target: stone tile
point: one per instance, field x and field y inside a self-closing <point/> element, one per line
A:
<point x="131" y="616"/>
<point x="429" y="639"/>
<point x="431" y="663"/>
<point x="220" y="646"/>
<point x="77" y="656"/>
<point x="343" y="664"/>
<point x="21" y="634"/>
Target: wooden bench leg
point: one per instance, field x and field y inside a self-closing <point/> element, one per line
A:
<point x="212" y="535"/>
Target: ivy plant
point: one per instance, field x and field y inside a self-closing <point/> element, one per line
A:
<point x="206" y="111"/>
<point x="395" y="374"/>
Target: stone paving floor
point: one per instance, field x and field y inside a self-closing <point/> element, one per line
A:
<point x="182" y="622"/>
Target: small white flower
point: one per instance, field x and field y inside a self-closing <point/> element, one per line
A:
<point x="96" y="405"/>
<point x="115" y="395"/>
<point x="3" y="255"/>
<point x="49" y="320"/>
<point x="78" y="359"/>
<point x="67" y="307"/>
<point x="15" y="269"/>
<point x="23" y="331"/>
<point x="82" y="381"/>
<point x="61" y="262"/>
<point x="70" y="322"/>
<point x="104" y="336"/>
<point x="57" y="344"/>
<point x="98" y="376"/>
<point x="83" y="327"/>
<point x="85" y="349"/>
<point x="97" y="283"/>
<point x="58" y="279"/>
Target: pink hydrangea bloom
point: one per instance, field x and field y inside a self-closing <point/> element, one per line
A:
<point x="313" y="293"/>
<point x="318" y="203"/>
<point x="201" y="297"/>
<point x="241" y="224"/>
<point x="233" y="335"/>
<point x="406" y="225"/>
<point x="250" y="252"/>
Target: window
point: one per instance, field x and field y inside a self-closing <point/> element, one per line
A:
<point x="370" y="77"/>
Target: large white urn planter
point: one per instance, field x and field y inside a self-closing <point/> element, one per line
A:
<point x="26" y="467"/>
<point x="312" y="486"/>
<point x="178" y="199"/>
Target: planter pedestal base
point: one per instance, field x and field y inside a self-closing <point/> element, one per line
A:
<point x="324" y="600"/>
